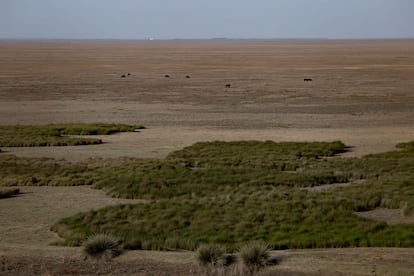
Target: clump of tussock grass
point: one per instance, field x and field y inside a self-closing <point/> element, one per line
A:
<point x="102" y="246"/>
<point x="5" y="193"/>
<point x="254" y="255"/>
<point x="209" y="254"/>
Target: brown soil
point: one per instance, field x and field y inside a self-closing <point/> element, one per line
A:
<point x="70" y="261"/>
<point x="361" y="93"/>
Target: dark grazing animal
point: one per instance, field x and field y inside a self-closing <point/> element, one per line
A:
<point x="308" y="79"/>
<point x="167" y="76"/>
<point x="228" y="85"/>
<point x="187" y="77"/>
<point x="123" y="76"/>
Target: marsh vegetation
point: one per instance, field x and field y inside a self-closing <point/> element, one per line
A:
<point x="57" y="134"/>
<point x="228" y="193"/>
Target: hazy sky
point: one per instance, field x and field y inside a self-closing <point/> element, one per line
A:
<point x="165" y="19"/>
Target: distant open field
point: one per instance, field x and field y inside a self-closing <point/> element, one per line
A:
<point x="362" y="93"/>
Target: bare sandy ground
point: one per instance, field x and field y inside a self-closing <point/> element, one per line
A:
<point x="158" y="142"/>
<point x="27" y="218"/>
<point x="362" y="93"/>
<point x="70" y="261"/>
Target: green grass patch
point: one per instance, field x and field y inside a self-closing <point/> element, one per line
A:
<point x="220" y="166"/>
<point x="282" y="217"/>
<point x="21" y="171"/>
<point x="57" y="134"/>
<point x="228" y="193"/>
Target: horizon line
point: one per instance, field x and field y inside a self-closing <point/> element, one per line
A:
<point x="206" y="39"/>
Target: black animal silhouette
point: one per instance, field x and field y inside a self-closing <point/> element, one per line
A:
<point x="228" y="85"/>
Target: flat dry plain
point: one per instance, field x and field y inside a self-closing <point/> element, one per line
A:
<point x="362" y="93"/>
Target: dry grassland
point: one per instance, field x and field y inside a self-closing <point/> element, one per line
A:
<point x="362" y="93"/>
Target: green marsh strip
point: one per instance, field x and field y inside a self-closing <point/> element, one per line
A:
<point x="57" y="134"/>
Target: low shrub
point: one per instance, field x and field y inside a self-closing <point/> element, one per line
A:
<point x="102" y="246"/>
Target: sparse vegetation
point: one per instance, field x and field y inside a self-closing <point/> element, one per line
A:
<point x="57" y="134"/>
<point x="5" y="193"/>
<point x="102" y="246"/>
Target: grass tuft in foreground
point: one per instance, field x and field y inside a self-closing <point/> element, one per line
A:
<point x="255" y="255"/>
<point x="102" y="246"/>
<point x="209" y="254"/>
